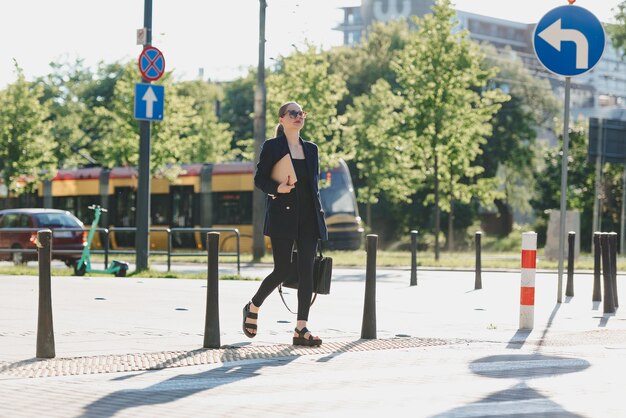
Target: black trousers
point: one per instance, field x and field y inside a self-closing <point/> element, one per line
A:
<point x="281" y="251"/>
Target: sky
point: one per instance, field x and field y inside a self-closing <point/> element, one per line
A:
<point x="218" y="36"/>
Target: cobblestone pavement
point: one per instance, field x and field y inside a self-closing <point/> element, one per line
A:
<point x="132" y="348"/>
<point x="460" y="380"/>
<point x="161" y="360"/>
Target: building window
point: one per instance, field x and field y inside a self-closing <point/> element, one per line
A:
<point x="354" y="37"/>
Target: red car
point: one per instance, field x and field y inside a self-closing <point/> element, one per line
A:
<point x="53" y="219"/>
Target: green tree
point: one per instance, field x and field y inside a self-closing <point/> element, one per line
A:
<point x="364" y="64"/>
<point x="382" y="156"/>
<point x="580" y="187"/>
<point x="304" y="77"/>
<point x="26" y="146"/>
<point x="238" y="111"/>
<point x="72" y="91"/>
<point x="188" y="133"/>
<point x="208" y="140"/>
<point x="618" y="30"/>
<point x="447" y="108"/>
<point x="118" y="140"/>
<point x="511" y="150"/>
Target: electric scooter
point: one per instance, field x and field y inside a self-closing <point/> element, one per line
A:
<point x="83" y="265"/>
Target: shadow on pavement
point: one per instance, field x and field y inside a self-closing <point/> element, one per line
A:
<point x="177" y="387"/>
<point x="518" y="340"/>
<point x="7" y="367"/>
<point x="521" y="399"/>
<point x="343" y="347"/>
<point x="164" y="365"/>
<point x="528" y="403"/>
<point x="604" y="319"/>
<point x="548" y="325"/>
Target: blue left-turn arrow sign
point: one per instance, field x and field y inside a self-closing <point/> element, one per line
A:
<point x="149" y="99"/>
<point x="569" y="40"/>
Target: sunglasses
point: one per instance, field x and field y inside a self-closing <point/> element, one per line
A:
<point x="295" y="113"/>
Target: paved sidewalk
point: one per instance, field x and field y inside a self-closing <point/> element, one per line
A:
<point x="440" y="344"/>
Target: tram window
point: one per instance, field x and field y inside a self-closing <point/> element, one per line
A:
<point x="159" y="209"/>
<point x="182" y="206"/>
<point x="29" y="200"/>
<point x="64" y="203"/>
<point x="232" y="208"/>
<point x="124" y="206"/>
<point x="123" y="214"/>
<point x="82" y="208"/>
<point x="9" y="203"/>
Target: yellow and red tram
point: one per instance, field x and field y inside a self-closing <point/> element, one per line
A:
<point x="202" y="195"/>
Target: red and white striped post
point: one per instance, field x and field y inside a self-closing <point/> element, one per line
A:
<point x="527" y="294"/>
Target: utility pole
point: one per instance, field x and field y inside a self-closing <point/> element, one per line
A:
<point x="143" y="192"/>
<point x="258" y="198"/>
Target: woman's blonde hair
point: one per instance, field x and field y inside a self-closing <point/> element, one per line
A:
<point x="281" y="112"/>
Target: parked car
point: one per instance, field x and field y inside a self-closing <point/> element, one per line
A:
<point x="54" y="219"/>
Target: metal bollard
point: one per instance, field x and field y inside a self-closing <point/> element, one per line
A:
<point x="413" y="258"/>
<point x="368" y="328"/>
<point x="613" y="239"/>
<point x="478" y="282"/>
<point x="609" y="301"/>
<point x="169" y="249"/>
<point x="45" y="329"/>
<point x="212" y="319"/>
<point x="571" y="239"/>
<point x="597" y="292"/>
<point x="106" y="248"/>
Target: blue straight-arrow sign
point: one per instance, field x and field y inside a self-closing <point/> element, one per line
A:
<point x="149" y="99"/>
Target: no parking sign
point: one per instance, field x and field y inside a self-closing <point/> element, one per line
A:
<point x="151" y="63"/>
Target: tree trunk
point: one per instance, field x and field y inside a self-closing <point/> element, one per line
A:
<point x="505" y="218"/>
<point x="450" y="240"/>
<point x="451" y="227"/>
<point x="368" y="213"/>
<point x="437" y="211"/>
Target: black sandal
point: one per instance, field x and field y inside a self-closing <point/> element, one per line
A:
<point x="308" y="342"/>
<point x="249" y="315"/>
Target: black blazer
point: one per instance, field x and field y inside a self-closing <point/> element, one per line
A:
<point x="281" y="213"/>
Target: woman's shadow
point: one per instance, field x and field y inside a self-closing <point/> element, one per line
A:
<point x="179" y="386"/>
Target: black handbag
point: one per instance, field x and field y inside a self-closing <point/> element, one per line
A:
<point x="322" y="273"/>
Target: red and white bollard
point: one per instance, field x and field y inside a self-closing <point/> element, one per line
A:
<point x="527" y="294"/>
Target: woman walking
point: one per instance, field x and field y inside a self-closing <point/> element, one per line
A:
<point x="294" y="218"/>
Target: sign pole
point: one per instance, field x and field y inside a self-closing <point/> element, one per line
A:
<point x="584" y="34"/>
<point x="143" y="192"/>
<point x="568" y="80"/>
<point x="623" y="214"/>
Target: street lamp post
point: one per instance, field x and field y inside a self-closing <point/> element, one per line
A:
<point x="258" y="201"/>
